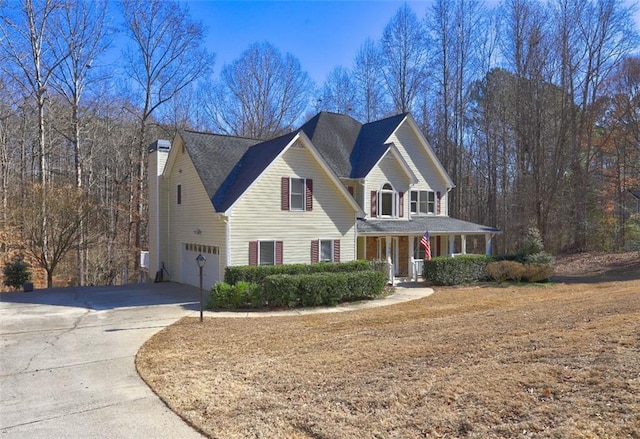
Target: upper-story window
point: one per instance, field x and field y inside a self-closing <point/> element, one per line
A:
<point x="179" y="194"/>
<point x="387" y="203"/>
<point x="296" y="194"/>
<point x="423" y="202"/>
<point x="388" y="200"/>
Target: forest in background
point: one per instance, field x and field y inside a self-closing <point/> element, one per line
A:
<point x="533" y="109"/>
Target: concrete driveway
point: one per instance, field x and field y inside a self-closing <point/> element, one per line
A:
<point x="67" y="361"/>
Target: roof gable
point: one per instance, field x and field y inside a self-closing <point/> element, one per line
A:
<point x="334" y="136"/>
<point x="408" y="119"/>
<point x="371" y="145"/>
<point x="214" y="155"/>
<point x="247" y="170"/>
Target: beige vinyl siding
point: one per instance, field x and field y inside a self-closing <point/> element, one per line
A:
<point x="388" y="170"/>
<point x="157" y="211"/>
<point x="195" y="213"/>
<point x="358" y="192"/>
<point x="257" y="214"/>
<point x="412" y="150"/>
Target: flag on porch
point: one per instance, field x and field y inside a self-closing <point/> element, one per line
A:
<point x="424" y="241"/>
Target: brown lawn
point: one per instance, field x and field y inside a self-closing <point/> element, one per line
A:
<point x="559" y="360"/>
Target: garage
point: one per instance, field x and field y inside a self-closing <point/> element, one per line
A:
<point x="190" y="269"/>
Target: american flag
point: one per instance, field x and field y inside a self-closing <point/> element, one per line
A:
<point x="424" y="241"/>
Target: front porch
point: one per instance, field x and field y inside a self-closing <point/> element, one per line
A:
<point x="398" y="242"/>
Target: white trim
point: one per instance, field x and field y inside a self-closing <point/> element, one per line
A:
<point x="395" y="197"/>
<point x="303" y="194"/>
<point x="418" y="213"/>
<point x="259" y="255"/>
<point x="300" y="135"/>
<point x="330" y="240"/>
<point x="391" y="148"/>
<point x="427" y="147"/>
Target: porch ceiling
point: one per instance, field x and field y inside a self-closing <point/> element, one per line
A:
<point x="417" y="225"/>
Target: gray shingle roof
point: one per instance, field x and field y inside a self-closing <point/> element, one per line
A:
<point x="248" y="169"/>
<point x="370" y="145"/>
<point x="214" y="155"/>
<point x="419" y="224"/>
<point x="334" y="136"/>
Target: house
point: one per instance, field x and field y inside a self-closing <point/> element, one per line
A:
<point x="333" y="190"/>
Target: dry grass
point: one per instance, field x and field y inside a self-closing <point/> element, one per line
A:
<point x="559" y="361"/>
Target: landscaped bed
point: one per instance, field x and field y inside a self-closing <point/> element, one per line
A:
<point x="553" y="360"/>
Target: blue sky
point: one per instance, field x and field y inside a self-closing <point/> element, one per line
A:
<point x="321" y="34"/>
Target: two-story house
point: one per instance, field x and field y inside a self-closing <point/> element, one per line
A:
<point x="333" y="190"/>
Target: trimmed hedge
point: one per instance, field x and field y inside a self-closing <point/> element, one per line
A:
<point x="257" y="273"/>
<point x="458" y="270"/>
<point x="284" y="290"/>
<point x="241" y="295"/>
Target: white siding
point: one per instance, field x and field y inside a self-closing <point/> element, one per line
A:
<point x="196" y="213"/>
<point x="257" y="215"/>
<point x="425" y="169"/>
<point x="388" y="170"/>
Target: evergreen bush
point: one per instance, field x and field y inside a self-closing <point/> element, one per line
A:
<point x="16" y="272"/>
<point x="458" y="270"/>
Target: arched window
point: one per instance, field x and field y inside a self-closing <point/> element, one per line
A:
<point x="388" y="200"/>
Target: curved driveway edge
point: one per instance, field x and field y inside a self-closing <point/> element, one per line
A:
<point x="67" y="358"/>
<point x="67" y="362"/>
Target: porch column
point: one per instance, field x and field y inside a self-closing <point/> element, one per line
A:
<point x="412" y="267"/>
<point x="487" y="241"/>
<point x="452" y="244"/>
<point x="463" y="244"/>
<point x="387" y="241"/>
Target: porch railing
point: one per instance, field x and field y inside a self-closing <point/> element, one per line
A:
<point x="417" y="265"/>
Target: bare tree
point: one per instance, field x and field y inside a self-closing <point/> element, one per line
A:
<point x="165" y="56"/>
<point x="67" y="207"/>
<point x="81" y="32"/>
<point x="368" y="79"/>
<point x="30" y="64"/>
<point x="261" y="94"/>
<point x="339" y="92"/>
<point x="404" y="52"/>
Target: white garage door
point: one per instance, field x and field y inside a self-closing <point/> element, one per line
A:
<point x="190" y="269"/>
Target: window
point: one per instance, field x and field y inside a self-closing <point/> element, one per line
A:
<point x="267" y="253"/>
<point x="179" y="194"/>
<point x="297" y="194"/>
<point x="387" y="201"/>
<point x="326" y="250"/>
<point x="423" y="202"/>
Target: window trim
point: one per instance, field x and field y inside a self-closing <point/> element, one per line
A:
<point x="260" y="252"/>
<point x="429" y="202"/>
<point x="394" y="201"/>
<point x="302" y="194"/>
<point x="331" y="249"/>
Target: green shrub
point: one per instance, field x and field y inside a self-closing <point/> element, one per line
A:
<point x="257" y="273"/>
<point x="458" y="270"/>
<point x="317" y="289"/>
<point x="532" y="242"/>
<point x="241" y="295"/>
<point x="539" y="258"/>
<point x="16" y="272"/>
